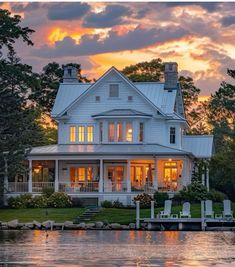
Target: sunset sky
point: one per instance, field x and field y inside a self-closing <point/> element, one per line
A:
<point x="199" y="36"/>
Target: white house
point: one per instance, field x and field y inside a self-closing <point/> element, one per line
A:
<point x="116" y="139"/>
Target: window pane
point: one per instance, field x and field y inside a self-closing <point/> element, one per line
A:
<point x="81" y="174"/>
<point x="119" y="132"/>
<point x="72" y="134"/>
<point x="113" y="90"/>
<point x="101" y="132"/>
<point x="141" y="133"/>
<point x="129" y="132"/>
<point x="90" y="133"/>
<point x="89" y="173"/>
<point x="81" y="133"/>
<point x="172" y="135"/>
<point x="111" y="132"/>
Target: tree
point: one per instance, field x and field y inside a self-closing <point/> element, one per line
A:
<point x="10" y="31"/>
<point x="49" y="80"/>
<point x="153" y="70"/>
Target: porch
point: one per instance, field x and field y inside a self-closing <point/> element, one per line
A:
<point x="105" y="176"/>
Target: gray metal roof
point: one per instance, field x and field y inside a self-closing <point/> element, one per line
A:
<point x="67" y="93"/>
<point x="155" y="92"/>
<point x="199" y="145"/>
<point x="122" y="113"/>
<point x="112" y="149"/>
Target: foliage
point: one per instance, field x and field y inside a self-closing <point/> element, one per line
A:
<point x="216" y="196"/>
<point x="222" y="169"/>
<point x="160" y="198"/>
<point x="39" y="202"/>
<point x="117" y="204"/>
<point x="22" y="201"/>
<point x="106" y="204"/>
<point x="144" y="199"/>
<point x="47" y="191"/>
<point x="59" y="200"/>
<point x="194" y="192"/>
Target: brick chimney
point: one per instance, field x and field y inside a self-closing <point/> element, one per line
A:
<point x="171" y="75"/>
<point x="70" y="74"/>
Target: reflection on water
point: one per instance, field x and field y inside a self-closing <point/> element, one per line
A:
<point x="117" y="248"/>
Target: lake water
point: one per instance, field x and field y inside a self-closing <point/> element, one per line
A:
<point x="116" y="248"/>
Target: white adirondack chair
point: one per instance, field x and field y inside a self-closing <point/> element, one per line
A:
<point x="185" y="213"/>
<point x="227" y="212"/>
<point x="208" y="209"/>
<point x="166" y="213"/>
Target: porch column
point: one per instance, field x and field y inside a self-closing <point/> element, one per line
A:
<point x="128" y="176"/>
<point x="155" y="180"/>
<point x="101" y="181"/>
<point x="56" y="185"/>
<point x="30" y="182"/>
<point x="207" y="179"/>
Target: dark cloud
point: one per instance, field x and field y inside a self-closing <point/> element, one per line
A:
<point x="91" y="44"/>
<point x="208" y="6"/>
<point x="67" y="11"/>
<point x="112" y="15"/>
<point x="25" y="8"/>
<point x="227" y="21"/>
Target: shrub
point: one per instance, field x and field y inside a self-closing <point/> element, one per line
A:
<point x="145" y="200"/>
<point x="160" y="198"/>
<point x="59" y="200"/>
<point x="39" y="202"/>
<point x="106" y="204"/>
<point x="194" y="192"/>
<point x="22" y="201"/>
<point x="216" y="196"/>
<point x="47" y="191"/>
<point x="117" y="204"/>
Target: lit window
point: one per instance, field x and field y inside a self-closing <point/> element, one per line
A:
<point x="111" y="132"/>
<point x="89" y="173"/>
<point x="72" y="134"/>
<point x="172" y="135"/>
<point x="113" y="90"/>
<point x="129" y="132"/>
<point x="141" y="133"/>
<point x="101" y="132"/>
<point x="81" y="174"/>
<point x="119" y="132"/>
<point x="81" y="134"/>
<point x="90" y="134"/>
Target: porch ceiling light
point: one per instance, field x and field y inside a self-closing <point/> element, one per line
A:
<point x="36" y="170"/>
<point x="169" y="159"/>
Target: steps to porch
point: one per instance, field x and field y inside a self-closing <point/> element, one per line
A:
<point x="88" y="214"/>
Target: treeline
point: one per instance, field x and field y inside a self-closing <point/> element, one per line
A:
<point x="26" y="100"/>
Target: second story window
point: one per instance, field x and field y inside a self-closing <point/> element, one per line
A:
<point x="113" y="90"/>
<point x="172" y="135"/>
<point x="119" y="132"/>
<point x="90" y="134"/>
<point x="129" y="132"/>
<point x="141" y="132"/>
<point x="81" y="134"/>
<point x="111" y="131"/>
<point x="72" y="134"/>
<point x="101" y="132"/>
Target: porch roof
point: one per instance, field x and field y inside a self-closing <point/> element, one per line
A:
<point x="122" y="113"/>
<point x="106" y="149"/>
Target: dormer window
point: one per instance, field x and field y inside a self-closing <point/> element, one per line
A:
<point x="97" y="98"/>
<point x="70" y="72"/>
<point x="113" y="90"/>
<point x="172" y="135"/>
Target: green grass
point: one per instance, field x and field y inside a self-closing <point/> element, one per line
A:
<point x="28" y="215"/>
<point x="112" y="215"/>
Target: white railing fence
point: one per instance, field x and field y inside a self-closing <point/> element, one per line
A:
<point x="37" y="187"/>
<point x="79" y="187"/>
<point x="17" y="187"/>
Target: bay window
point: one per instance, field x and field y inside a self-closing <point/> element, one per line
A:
<point x="111" y="132"/>
<point x="129" y="132"/>
<point x="101" y="132"/>
<point x="119" y="132"/>
<point x="72" y="134"/>
<point x="141" y="132"/>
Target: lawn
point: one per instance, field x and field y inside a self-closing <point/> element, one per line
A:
<point x="123" y="216"/>
<point x="28" y="215"/>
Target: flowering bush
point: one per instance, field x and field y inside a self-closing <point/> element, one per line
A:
<point x="144" y="199"/>
<point x="39" y="202"/>
<point x="22" y="201"/>
<point x="59" y="200"/>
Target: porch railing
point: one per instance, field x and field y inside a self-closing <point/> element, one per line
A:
<point x="146" y="188"/>
<point x="17" y="187"/>
<point x="37" y="187"/>
<point x="110" y="186"/>
<point x="79" y="187"/>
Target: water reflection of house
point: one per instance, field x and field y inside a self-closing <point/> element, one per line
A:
<point x="116" y="139"/>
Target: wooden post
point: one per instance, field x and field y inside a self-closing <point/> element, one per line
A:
<point x="101" y="181"/>
<point x="137" y="214"/>
<point x="128" y="176"/>
<point x="30" y="182"/>
<point x="152" y="209"/>
<point x="155" y="181"/>
<point x="56" y="175"/>
<point x="203" y="215"/>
